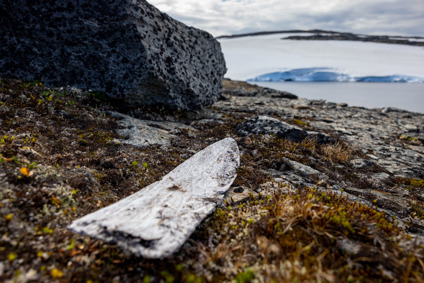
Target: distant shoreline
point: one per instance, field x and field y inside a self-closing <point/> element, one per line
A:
<point x="334" y="35"/>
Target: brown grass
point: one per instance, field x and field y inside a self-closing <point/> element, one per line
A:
<point x="311" y="237"/>
<point x="339" y="152"/>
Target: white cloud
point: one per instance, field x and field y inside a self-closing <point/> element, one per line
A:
<point x="404" y="17"/>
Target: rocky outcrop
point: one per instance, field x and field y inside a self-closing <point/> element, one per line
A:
<point x="271" y="126"/>
<point x="127" y="49"/>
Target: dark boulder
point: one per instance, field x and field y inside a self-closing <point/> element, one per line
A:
<point x="125" y="48"/>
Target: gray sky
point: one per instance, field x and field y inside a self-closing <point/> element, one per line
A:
<point x="219" y="17"/>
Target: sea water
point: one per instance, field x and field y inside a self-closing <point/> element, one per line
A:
<point x="407" y="96"/>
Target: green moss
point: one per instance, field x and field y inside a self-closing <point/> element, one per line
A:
<point x="246" y="276"/>
<point x="416" y="183"/>
<point x="300" y="123"/>
<point x="417" y="210"/>
<point x="410" y="183"/>
<point x="403" y="137"/>
<point x="101" y="96"/>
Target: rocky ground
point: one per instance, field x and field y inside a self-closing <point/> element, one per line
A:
<point x="390" y="142"/>
<point x="325" y="192"/>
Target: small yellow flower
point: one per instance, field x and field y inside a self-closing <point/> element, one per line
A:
<point x="47" y="230"/>
<point x="12" y="256"/>
<point x="56" y="273"/>
<point x="25" y="171"/>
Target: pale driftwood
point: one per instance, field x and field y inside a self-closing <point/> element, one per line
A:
<point x="157" y="220"/>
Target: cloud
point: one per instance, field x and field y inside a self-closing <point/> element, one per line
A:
<point x="219" y="17"/>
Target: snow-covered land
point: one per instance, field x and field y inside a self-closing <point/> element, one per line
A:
<point x="269" y="58"/>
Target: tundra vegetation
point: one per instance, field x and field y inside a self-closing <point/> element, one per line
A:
<point x="61" y="159"/>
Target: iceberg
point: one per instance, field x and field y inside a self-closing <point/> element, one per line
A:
<point x="324" y="74"/>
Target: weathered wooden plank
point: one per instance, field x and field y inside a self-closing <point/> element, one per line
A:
<point x="157" y="220"/>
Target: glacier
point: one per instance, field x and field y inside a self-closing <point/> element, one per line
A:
<point x="269" y="58"/>
<point x="324" y="74"/>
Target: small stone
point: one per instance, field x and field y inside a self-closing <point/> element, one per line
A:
<point x="238" y="190"/>
<point x="319" y="102"/>
<point x="285" y="95"/>
<point x="305" y="170"/>
<point x="344" y="131"/>
<point x="411" y="128"/>
<point x="391" y="109"/>
<point x="302" y="107"/>
<point x="326" y="120"/>
<point x="349" y="246"/>
<point x="1" y="268"/>
<point x="372" y="156"/>
<point x="362" y="163"/>
<point x="380" y="176"/>
<point x="239" y="194"/>
<point x="320" y="138"/>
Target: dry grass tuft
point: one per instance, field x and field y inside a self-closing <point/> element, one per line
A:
<point x="339" y="152"/>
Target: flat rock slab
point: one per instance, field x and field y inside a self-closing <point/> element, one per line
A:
<point x="157" y="220"/>
<point x="125" y="48"/>
<point x="142" y="133"/>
